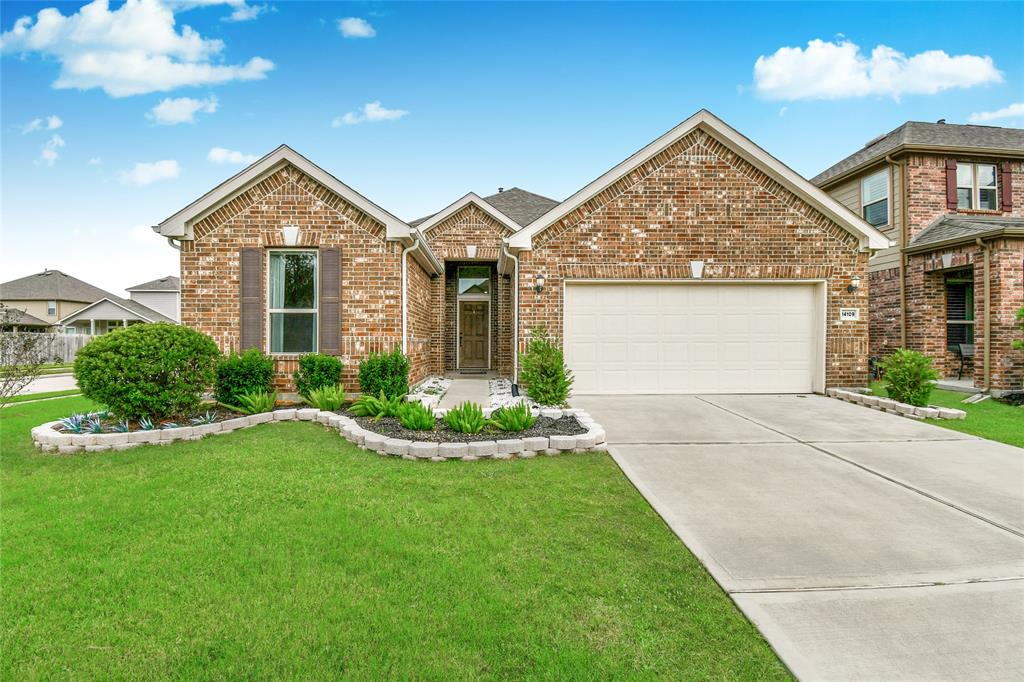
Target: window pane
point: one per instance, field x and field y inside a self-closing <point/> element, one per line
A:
<point x="986" y="176"/>
<point x="292" y="332"/>
<point x="292" y="280"/>
<point x="475" y="280"/>
<point x="987" y="199"/>
<point x="877" y="213"/>
<point x="964" y="177"/>
<point x="963" y="198"/>
<point x="875" y="187"/>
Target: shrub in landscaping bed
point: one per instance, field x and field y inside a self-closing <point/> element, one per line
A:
<point x="513" y="418"/>
<point x="466" y="418"/>
<point x="542" y="370"/>
<point x="256" y="402"/>
<point x="415" y="417"/>
<point x="908" y="376"/>
<point x="377" y="407"/>
<point x="386" y="373"/>
<point x="155" y="370"/>
<point x="328" y="398"/>
<point x="316" y="371"/>
<point x="248" y="372"/>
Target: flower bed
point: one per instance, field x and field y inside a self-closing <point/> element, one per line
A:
<point x="544" y="426"/>
<point x="894" y="407"/>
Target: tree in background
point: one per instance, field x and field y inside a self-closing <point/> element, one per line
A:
<point x="22" y="355"/>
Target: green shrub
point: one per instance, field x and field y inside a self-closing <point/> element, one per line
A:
<point x="1019" y="343"/>
<point x="466" y="418"/>
<point x="147" y="370"/>
<point x="908" y="376"/>
<point x="379" y="407"/>
<point x="238" y="373"/>
<point x="415" y="417"/>
<point x="542" y="370"/>
<point x="513" y="418"/>
<point x="257" y="402"/>
<point x="329" y="398"/>
<point x="316" y="371"/>
<point x="386" y="373"/>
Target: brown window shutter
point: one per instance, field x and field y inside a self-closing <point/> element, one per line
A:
<point x="250" y="263"/>
<point x="330" y="301"/>
<point x="1005" y="186"/>
<point x="951" y="184"/>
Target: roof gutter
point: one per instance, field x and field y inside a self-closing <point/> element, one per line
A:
<point x="903" y="239"/>
<point x="995" y="233"/>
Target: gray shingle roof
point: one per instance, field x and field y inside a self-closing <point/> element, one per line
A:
<point x="520" y="206"/>
<point x="50" y="285"/>
<point x="22" y="318"/>
<point x="168" y="283"/>
<point x="134" y="306"/>
<point x="918" y="134"/>
<point x="955" y="227"/>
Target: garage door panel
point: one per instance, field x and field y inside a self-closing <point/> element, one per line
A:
<point x="689" y="338"/>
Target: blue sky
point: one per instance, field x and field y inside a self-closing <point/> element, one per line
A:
<point x="474" y="96"/>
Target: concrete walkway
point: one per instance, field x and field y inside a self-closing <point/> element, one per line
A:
<point x="53" y="382"/>
<point x="462" y="389"/>
<point x="863" y="545"/>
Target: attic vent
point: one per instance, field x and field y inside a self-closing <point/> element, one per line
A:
<point x="941" y="121"/>
<point x="500" y="190"/>
<point x="874" y="140"/>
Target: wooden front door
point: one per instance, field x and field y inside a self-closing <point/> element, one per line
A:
<point x="473" y="327"/>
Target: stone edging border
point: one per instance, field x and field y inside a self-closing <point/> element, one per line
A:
<point x="47" y="439"/>
<point x="893" y="407"/>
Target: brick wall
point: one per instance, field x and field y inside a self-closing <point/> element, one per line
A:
<point x="698" y="200"/>
<point x="420" y="320"/>
<point x="884" y="288"/>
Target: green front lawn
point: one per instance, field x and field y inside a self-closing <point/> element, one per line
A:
<point x="40" y="396"/>
<point x="988" y="419"/>
<point x="282" y="551"/>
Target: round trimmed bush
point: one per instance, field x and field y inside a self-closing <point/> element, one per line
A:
<point x="316" y="371"/>
<point x="147" y="370"/>
<point x="239" y="373"/>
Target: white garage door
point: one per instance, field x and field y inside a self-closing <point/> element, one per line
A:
<point x="693" y="337"/>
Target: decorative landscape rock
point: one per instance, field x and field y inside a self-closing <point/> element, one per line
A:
<point x="893" y="407"/>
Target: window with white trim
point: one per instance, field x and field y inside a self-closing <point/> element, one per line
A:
<point x="292" y="304"/>
<point x="976" y="186"/>
<point x="874" y="198"/>
<point x="51" y="308"/>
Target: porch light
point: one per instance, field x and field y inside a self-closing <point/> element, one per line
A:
<point x="854" y="284"/>
<point x="539" y="286"/>
<point x="290" y="235"/>
<point x="697" y="268"/>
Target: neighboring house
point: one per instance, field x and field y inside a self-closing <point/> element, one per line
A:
<point x="21" y="321"/>
<point x="951" y="197"/>
<point x="71" y="305"/>
<point x="162" y="295"/>
<point x="699" y="264"/>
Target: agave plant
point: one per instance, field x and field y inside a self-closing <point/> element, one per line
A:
<point x="209" y="417"/>
<point x="122" y="426"/>
<point x="169" y="425"/>
<point x="146" y="424"/>
<point x="95" y="425"/>
<point x="73" y="424"/>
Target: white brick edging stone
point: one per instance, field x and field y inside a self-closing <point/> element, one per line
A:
<point x="48" y="439"/>
<point x="892" y="407"/>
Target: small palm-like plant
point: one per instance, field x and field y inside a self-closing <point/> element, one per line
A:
<point x="256" y="402"/>
<point x="73" y="424"/>
<point x="146" y="424"/>
<point x="379" y="407"/>
<point x="513" y="418"/>
<point x="466" y="418"/>
<point x="328" y="398"/>
<point x="95" y="425"/>
<point x="415" y="417"/>
<point x="208" y="417"/>
<point x="122" y="426"/>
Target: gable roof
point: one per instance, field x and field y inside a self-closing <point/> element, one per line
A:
<point x="168" y="283"/>
<point x="928" y="136"/>
<point x="949" y="230"/>
<point x="21" y="318"/>
<point x="133" y="307"/>
<point x="50" y="285"/>
<point x="471" y="198"/>
<point x="870" y="238"/>
<point x="520" y="206"/>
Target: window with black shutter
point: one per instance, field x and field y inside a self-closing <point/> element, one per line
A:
<point x="959" y="309"/>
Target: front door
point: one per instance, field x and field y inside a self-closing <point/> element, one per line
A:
<point x="473" y="327"/>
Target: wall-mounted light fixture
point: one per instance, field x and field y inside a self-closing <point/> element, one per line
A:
<point x="854" y="284"/>
<point x="539" y="285"/>
<point x="290" y="235"/>
<point x="697" y="269"/>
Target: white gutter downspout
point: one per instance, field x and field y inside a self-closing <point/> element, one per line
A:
<point x="176" y="247"/>
<point x="515" y="311"/>
<point x="405" y="294"/>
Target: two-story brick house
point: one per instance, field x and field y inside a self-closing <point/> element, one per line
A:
<point x="952" y="199"/>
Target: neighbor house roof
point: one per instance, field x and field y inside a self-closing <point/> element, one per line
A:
<point x="133" y="308"/>
<point x="520" y="206"/>
<point x="916" y="135"/>
<point x="950" y="230"/>
<point x="168" y="283"/>
<point x="21" y="318"/>
<point x="50" y="285"/>
<point x="870" y="238"/>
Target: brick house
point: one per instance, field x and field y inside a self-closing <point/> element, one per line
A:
<point x="699" y="264"/>
<point x="951" y="197"/>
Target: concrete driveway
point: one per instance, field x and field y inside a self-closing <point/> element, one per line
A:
<point x="863" y="545"/>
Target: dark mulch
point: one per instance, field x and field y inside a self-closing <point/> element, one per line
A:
<point x="391" y="427"/>
<point x="1012" y="398"/>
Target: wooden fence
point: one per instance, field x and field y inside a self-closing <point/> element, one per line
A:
<point x="55" y="347"/>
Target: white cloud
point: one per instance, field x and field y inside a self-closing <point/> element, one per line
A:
<point x="782" y="111"/>
<point x="370" y="113"/>
<point x="48" y="155"/>
<point x="1011" y="111"/>
<point x="147" y="173"/>
<point x="244" y="12"/>
<point x="95" y="161"/>
<point x="241" y="10"/>
<point x="181" y="110"/>
<point x="132" y="50"/>
<point x="51" y="122"/>
<point x="838" y="70"/>
<point x="354" y="27"/>
<point x="221" y="155"/>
